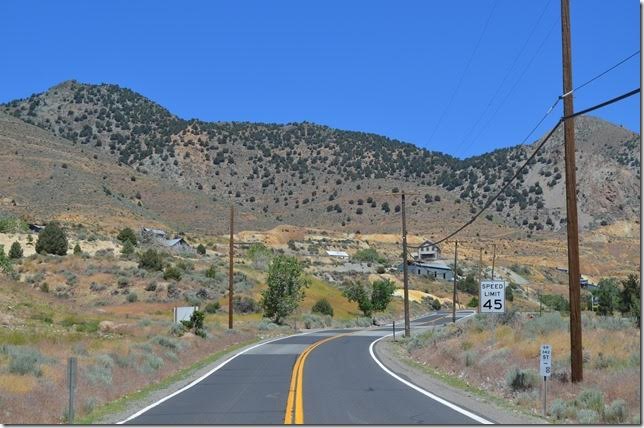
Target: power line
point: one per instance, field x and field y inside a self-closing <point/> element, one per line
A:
<point x="602" y="73"/>
<point x="505" y="78"/>
<point x="533" y="155"/>
<point x="462" y="77"/>
<point x="507" y="96"/>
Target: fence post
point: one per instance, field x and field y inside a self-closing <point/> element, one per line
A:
<point x="71" y="382"/>
<point x="394" y="328"/>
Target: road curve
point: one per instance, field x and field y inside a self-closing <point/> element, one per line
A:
<point x="341" y="384"/>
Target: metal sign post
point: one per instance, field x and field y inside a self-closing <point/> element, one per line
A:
<point x="71" y="382"/>
<point x="545" y="369"/>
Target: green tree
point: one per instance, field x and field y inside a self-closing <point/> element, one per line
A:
<point x="127" y="235"/>
<point x="381" y="293"/>
<point x="474" y="302"/>
<point x="356" y="292"/>
<point x="5" y="262"/>
<point x="607" y="296"/>
<point x="468" y="285"/>
<point x="286" y="284"/>
<point x="323" y="307"/>
<point x="369" y="255"/>
<point x="260" y="255"/>
<point x="630" y="295"/>
<point x="15" y="252"/>
<point x="151" y="260"/>
<point x="201" y="249"/>
<point x="509" y="293"/>
<point x="52" y="240"/>
<point x="77" y="249"/>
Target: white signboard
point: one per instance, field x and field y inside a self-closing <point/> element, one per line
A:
<point x="545" y="361"/>
<point x="183" y="313"/>
<point x="492" y="297"/>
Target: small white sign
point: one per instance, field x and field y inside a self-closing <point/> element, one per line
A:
<point x="492" y="297"/>
<point x="545" y="361"/>
<point x="183" y="313"/>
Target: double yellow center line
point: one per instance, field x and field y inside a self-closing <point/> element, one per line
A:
<point x="294" y="403"/>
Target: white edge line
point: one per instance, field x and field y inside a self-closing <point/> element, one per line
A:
<point x="196" y="381"/>
<point x="424" y="392"/>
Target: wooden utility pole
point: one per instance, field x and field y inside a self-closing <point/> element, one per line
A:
<point x="493" y="259"/>
<point x="574" y="287"/>
<point x="230" y="269"/>
<point x="454" y="293"/>
<point x="404" y="257"/>
<point x="480" y="262"/>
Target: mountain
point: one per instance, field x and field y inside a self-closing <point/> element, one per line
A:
<point x="132" y="156"/>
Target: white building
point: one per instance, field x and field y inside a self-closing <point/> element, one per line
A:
<point x="337" y="254"/>
<point x="428" y="251"/>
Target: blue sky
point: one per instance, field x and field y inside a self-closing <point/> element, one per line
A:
<point x="461" y="77"/>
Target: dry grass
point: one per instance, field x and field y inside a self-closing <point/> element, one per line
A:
<point x="611" y="350"/>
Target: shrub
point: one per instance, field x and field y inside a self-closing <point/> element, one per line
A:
<point x="77" y="249"/>
<point x="172" y="272"/>
<point x="591" y="399"/>
<point x="15" y="252"/>
<point x="380" y="269"/>
<point x="244" y="304"/>
<point x="555" y="302"/>
<point x="369" y="255"/>
<point x="212" y="308"/>
<point x="549" y="322"/>
<point x="23" y="360"/>
<point x="267" y="325"/>
<point x="152" y="286"/>
<point x="132" y="297"/>
<point x="52" y="240"/>
<point x="473" y="303"/>
<point x="211" y="272"/>
<point x="469" y="358"/>
<point x="151" y="260"/>
<point x="151" y="362"/>
<point x="316" y="321"/>
<point x="558" y="409"/>
<point x="127" y="235"/>
<point x="127" y="249"/>
<point x="99" y="374"/>
<point x="177" y="329"/>
<point x="167" y="342"/>
<point x="323" y="307"/>
<point x="201" y="250"/>
<point x="616" y="413"/>
<point x="587" y="416"/>
<point x="521" y="380"/>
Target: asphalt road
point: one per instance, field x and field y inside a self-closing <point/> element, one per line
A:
<point x="340" y="384"/>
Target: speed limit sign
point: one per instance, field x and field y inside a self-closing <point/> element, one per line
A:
<point x="492" y="297"/>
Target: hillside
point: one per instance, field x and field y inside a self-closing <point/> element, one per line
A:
<point x="132" y="156"/>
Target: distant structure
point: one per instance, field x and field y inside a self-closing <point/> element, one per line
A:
<point x="427" y="251"/>
<point x="159" y="237"/>
<point x="36" y="227"/>
<point x="337" y="254"/>
<point x="436" y="270"/>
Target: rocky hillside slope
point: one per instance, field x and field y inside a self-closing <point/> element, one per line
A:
<point x="300" y="173"/>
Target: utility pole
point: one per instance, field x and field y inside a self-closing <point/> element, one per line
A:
<point x="493" y="259"/>
<point x="576" y="360"/>
<point x="405" y="276"/>
<point x="230" y="269"/>
<point x="454" y="293"/>
<point x="480" y="262"/>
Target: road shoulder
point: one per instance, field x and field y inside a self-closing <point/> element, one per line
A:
<point x="393" y="357"/>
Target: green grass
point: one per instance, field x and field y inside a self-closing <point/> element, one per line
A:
<point x="120" y="404"/>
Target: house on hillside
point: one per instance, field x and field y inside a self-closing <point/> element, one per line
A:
<point x="342" y="255"/>
<point x="427" y="251"/>
<point x="147" y="232"/>
<point x="436" y="270"/>
<point x="176" y="244"/>
<point x="36" y="227"/>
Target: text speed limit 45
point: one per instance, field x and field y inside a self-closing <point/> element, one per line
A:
<point x="492" y="297"/>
